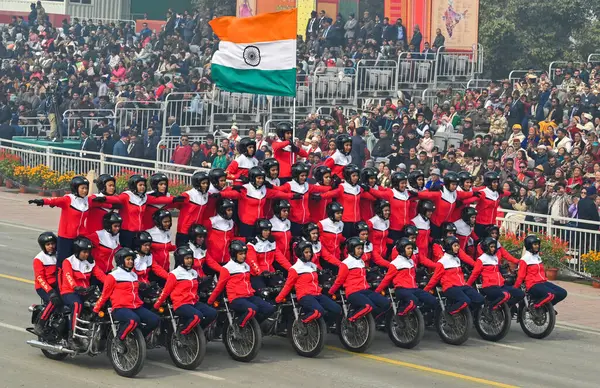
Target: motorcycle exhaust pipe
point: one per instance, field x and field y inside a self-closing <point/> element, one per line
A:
<point x="49" y="347"/>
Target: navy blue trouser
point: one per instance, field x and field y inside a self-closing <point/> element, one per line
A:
<point x="461" y="295"/>
<point x="296" y="229"/>
<point x="541" y="290"/>
<point x="246" y="230"/>
<point x="416" y="296"/>
<point x="64" y="249"/>
<point x="129" y="319"/>
<point x="495" y="294"/>
<point x="349" y="229"/>
<point x="49" y="305"/>
<point x="126" y="238"/>
<point x="318" y="305"/>
<point x="193" y="314"/>
<point x="74" y="301"/>
<point x="181" y="239"/>
<point x="250" y="307"/>
<point x="377" y="302"/>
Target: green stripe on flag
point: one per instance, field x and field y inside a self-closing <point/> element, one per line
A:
<point x="253" y="81"/>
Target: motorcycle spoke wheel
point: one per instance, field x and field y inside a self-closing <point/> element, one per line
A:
<point x="306" y="336"/>
<point x="355" y="333"/>
<point x="241" y="340"/>
<point x="185" y="348"/>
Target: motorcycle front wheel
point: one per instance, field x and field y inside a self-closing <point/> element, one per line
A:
<point x="130" y="362"/>
<point x="537" y="323"/>
<point x="187" y="351"/>
<point x="243" y="343"/>
<point x="357" y="336"/>
<point x="493" y="325"/>
<point x="405" y="331"/>
<point x="454" y="329"/>
<point x="308" y="339"/>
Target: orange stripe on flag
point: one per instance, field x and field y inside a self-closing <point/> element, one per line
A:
<point x="267" y="27"/>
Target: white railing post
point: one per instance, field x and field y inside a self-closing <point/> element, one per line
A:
<point x="102" y="164"/>
<point x="49" y="157"/>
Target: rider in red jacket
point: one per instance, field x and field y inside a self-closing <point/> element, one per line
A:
<point x="465" y="183"/>
<point x="449" y="230"/>
<point x="416" y="183"/>
<point x="220" y="230"/>
<point x="161" y="239"/>
<point x="159" y="183"/>
<point x="239" y="168"/>
<point x="271" y="167"/>
<point x="464" y="230"/>
<point x="493" y="231"/>
<point x="285" y="151"/>
<point x="368" y="176"/>
<point x="197" y="236"/>
<point x="330" y="230"/>
<point x="400" y="201"/>
<point x="45" y="279"/>
<point x="318" y="202"/>
<point x="106" y="241"/>
<point x="422" y="223"/>
<point x="191" y="210"/>
<point x="146" y="269"/>
<point x="281" y="227"/>
<point x="106" y="185"/>
<point x="489" y="200"/>
<point x="262" y="254"/>
<point x="341" y="157"/>
<point x="379" y="227"/>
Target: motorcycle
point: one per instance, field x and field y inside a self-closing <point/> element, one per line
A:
<point x="536" y="322"/>
<point x="405" y="331"/>
<point x="187" y="351"/>
<point x="93" y="333"/>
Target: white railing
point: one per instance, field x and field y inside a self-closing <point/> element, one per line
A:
<point x="413" y="73"/>
<point x="376" y="78"/>
<point x="191" y="111"/>
<point x="559" y="65"/>
<point x="581" y="235"/>
<point x="137" y="114"/>
<point x="334" y="85"/>
<point x="593" y="58"/>
<point x="517" y="75"/>
<point x="453" y="65"/>
<point x="479" y="83"/>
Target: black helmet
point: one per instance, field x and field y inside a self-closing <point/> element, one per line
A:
<point x="268" y="164"/>
<point x="492" y="228"/>
<point x="282" y="128"/>
<point x="156" y="178"/>
<point x="140" y="239"/>
<point x="424" y="207"/>
<point x="180" y="254"/>
<point x="308" y="228"/>
<point x="410" y="230"/>
<point x="76" y="182"/>
<point x="159" y="216"/>
<point x="319" y="173"/>
<point x="215" y="174"/>
<point x="352" y="243"/>
<point x="236" y="247"/>
<point x="222" y="207"/>
<point x="367" y="173"/>
<point x="299" y="168"/>
<point x="260" y="225"/>
<point x="361" y="226"/>
<point x="243" y="145"/>
<point x="195" y="231"/>
<point x="120" y="257"/>
<point x="279" y="205"/>
<point x="448" y="242"/>
<point x="447" y="227"/>
<point x="402" y="244"/>
<point x="349" y="170"/>
<point x="413" y="176"/>
<point x="133" y="182"/>
<point x="467" y="213"/>
<point x="102" y="180"/>
<point x="529" y="241"/>
<point x="381" y="204"/>
<point x="81" y="244"/>
<point x="332" y="208"/>
<point x="254" y="173"/>
<point x="450" y="177"/>
<point x="490" y="177"/>
<point x="486" y="243"/>
<point x="197" y="179"/>
<point x="464" y="176"/>
<point x="299" y="250"/>
<point x="398" y="177"/>
<point x="109" y="220"/>
<point x="340" y="140"/>
<point x="46" y="238"/>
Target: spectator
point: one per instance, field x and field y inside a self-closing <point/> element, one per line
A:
<point x="120" y="147"/>
<point x="359" y="146"/>
<point x="434" y="182"/>
<point x="220" y="160"/>
<point x="174" y="128"/>
<point x="198" y="158"/>
<point x="88" y="144"/>
<point x="151" y="145"/>
<point x="135" y="148"/>
<point x="383" y="147"/>
<point x="183" y="152"/>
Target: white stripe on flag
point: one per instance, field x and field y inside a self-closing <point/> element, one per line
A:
<point x="276" y="55"/>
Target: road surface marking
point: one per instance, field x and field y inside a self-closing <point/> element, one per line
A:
<point x="16" y="278"/>
<point x="3" y="246"/>
<point x="22" y="227"/>
<point x="423" y="368"/>
<point x="496" y="344"/>
<point x="578" y="329"/>
<point x="12" y="327"/>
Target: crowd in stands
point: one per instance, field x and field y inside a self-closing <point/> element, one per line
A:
<point x="540" y="132"/>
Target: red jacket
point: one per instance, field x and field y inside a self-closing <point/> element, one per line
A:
<point x="304" y="277"/>
<point x="105" y="247"/>
<point x="331" y="238"/>
<point x="161" y="247"/>
<point x="252" y="202"/>
<point x="300" y="210"/>
<point x="262" y="254"/>
<point x="235" y="279"/>
<point x="352" y="275"/>
<point x="402" y="272"/>
<point x="220" y="233"/>
<point x="134" y="208"/>
<point x="378" y="233"/>
<point x="448" y="271"/>
<point x="400" y="207"/>
<point x="366" y="206"/>
<point x="121" y="287"/>
<point x="501" y="253"/>
<point x="283" y="236"/>
<point x="97" y="211"/>
<point x="318" y="209"/>
<point x="457" y="213"/>
<point x="182" y="154"/>
<point x="181" y="286"/>
<point x="445" y="203"/>
<point x="147" y="219"/>
<point x="199" y="258"/>
<point x="531" y="270"/>
<point x="438" y="253"/>
<point x="191" y="210"/>
<point x="423" y="234"/>
<point x="465" y="234"/>
<point x="337" y="162"/>
<point x="240" y="167"/>
<point x="487" y="206"/>
<point x="77" y="273"/>
<point x="350" y="196"/>
<point x="144" y="264"/>
<point x="44" y="271"/>
<point x="74" y="213"/>
<point x="211" y="205"/>
<point x="282" y="152"/>
<point x="487" y="266"/>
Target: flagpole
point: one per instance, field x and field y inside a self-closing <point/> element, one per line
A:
<point x="294" y="119"/>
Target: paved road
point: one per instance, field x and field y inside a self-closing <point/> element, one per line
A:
<point x="567" y="358"/>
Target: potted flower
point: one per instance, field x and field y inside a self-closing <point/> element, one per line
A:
<point x="513" y="243"/>
<point x="591" y="265"/>
<point x="8" y="163"/>
<point x="553" y="251"/>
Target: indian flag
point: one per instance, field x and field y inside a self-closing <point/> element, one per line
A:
<point x="256" y="54"/>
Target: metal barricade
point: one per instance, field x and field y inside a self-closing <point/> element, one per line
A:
<point x="234" y="104"/>
<point x="191" y="111"/>
<point x="478" y="84"/>
<point x="375" y="79"/>
<point x="480" y="59"/>
<point x="593" y="58"/>
<point x="304" y="99"/>
<point x="105" y="20"/>
<point x="437" y="96"/>
<point x="559" y="65"/>
<point x="517" y="75"/>
<point x="414" y="73"/>
<point x="139" y="115"/>
<point x="89" y="117"/>
<point x="32" y="126"/>
<point x="334" y="85"/>
<point x="454" y="65"/>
